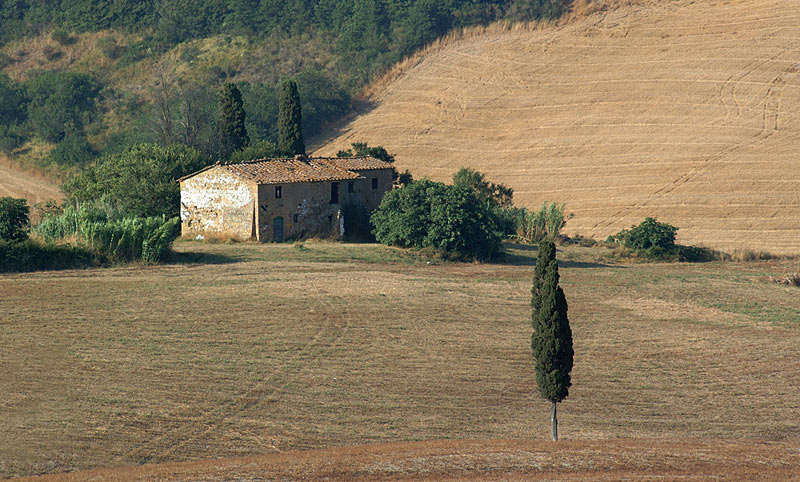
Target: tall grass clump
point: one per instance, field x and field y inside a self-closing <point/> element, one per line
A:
<point x="535" y="226"/>
<point x="126" y="239"/>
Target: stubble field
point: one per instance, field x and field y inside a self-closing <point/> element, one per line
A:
<point x="683" y="110"/>
<point x="259" y="351"/>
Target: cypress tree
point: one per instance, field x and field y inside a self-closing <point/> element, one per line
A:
<point x="551" y="340"/>
<point x="290" y="123"/>
<point x="234" y="134"/>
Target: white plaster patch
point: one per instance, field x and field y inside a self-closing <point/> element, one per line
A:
<point x="216" y="189"/>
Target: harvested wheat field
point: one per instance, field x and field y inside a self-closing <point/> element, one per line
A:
<point x="687" y="111"/>
<point x="358" y="352"/>
<point x="34" y="189"/>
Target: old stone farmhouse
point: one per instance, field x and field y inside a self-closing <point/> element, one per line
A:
<point x="276" y="199"/>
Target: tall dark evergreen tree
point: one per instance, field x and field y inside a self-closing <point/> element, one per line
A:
<point x="551" y="340"/>
<point x="234" y="134"/>
<point x="290" y="122"/>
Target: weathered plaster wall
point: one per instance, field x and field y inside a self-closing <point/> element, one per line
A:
<point x="217" y="203"/>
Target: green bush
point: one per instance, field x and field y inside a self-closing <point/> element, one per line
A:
<point x="259" y="150"/>
<point x="649" y="238"/>
<point x="139" y="182"/>
<point x="14" y="220"/>
<point x="451" y="220"/>
<point x="127" y="239"/>
<point x="73" y="150"/>
<point x="62" y="36"/>
<point x="60" y="103"/>
<point x="29" y="255"/>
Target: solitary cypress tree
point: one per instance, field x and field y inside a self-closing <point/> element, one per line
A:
<point x="551" y="340"/>
<point x="234" y="134"/>
<point x="290" y="122"/>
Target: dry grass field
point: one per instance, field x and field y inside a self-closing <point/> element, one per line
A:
<point x="386" y="366"/>
<point x="32" y="187"/>
<point x="684" y="110"/>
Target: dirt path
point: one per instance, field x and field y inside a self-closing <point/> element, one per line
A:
<point x="620" y="459"/>
<point x="686" y="111"/>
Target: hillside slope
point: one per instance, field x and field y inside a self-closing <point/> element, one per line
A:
<point x="687" y="111"/>
<point x="34" y="189"/>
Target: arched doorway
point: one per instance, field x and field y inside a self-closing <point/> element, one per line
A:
<point x="277" y="229"/>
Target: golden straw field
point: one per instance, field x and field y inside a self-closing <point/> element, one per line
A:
<point x="687" y="111"/>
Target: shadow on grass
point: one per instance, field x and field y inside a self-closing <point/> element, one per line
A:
<point x="525" y="255"/>
<point x="200" y="258"/>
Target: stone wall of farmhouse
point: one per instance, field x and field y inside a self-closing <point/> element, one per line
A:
<point x="217" y="203"/>
<point x="306" y="209"/>
<point x="370" y="197"/>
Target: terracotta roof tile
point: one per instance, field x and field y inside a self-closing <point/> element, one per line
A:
<point x="275" y="171"/>
<point x="355" y="163"/>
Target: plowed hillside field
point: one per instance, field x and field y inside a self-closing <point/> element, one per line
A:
<point x="15" y="183"/>
<point x="687" y="111"/>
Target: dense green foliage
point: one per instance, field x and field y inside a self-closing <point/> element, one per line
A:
<point x="233" y="134"/>
<point x="497" y="194"/>
<point x="371" y="34"/>
<point x="30" y="255"/>
<point x="451" y="220"/>
<point x="138" y="182"/>
<point x="290" y="121"/>
<point x="654" y="240"/>
<point x="331" y="48"/>
<point x="60" y="103"/>
<point x="125" y="239"/>
<point x="551" y="340"/>
<point x="358" y="149"/>
<point x="14" y="220"/>
<point x="259" y="150"/>
<point x="649" y="238"/>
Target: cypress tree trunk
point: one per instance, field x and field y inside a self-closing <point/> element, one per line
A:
<point x="554" y="416"/>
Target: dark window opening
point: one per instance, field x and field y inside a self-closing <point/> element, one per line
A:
<point x="374" y="183"/>
<point x="278" y="192"/>
<point x="351" y="186"/>
<point x="334" y="193"/>
<point x="296" y="217"/>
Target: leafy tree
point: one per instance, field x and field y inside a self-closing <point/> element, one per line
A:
<point x="12" y="102"/>
<point x="449" y="219"/>
<point x="497" y="194"/>
<point x="73" y="150"/>
<point x="14" y="221"/>
<point x="60" y="102"/>
<point x="323" y="100"/>
<point x="650" y="238"/>
<point x="233" y="135"/>
<point x="551" y="340"/>
<point x="359" y="149"/>
<point x="138" y="182"/>
<point x="290" y="123"/>
<point x="258" y="150"/>
<point x="261" y="104"/>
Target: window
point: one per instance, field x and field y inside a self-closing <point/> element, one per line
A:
<point x="334" y="193"/>
<point x="374" y="183"/>
<point x="351" y="186"/>
<point x="278" y="192"/>
<point x="296" y="216"/>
